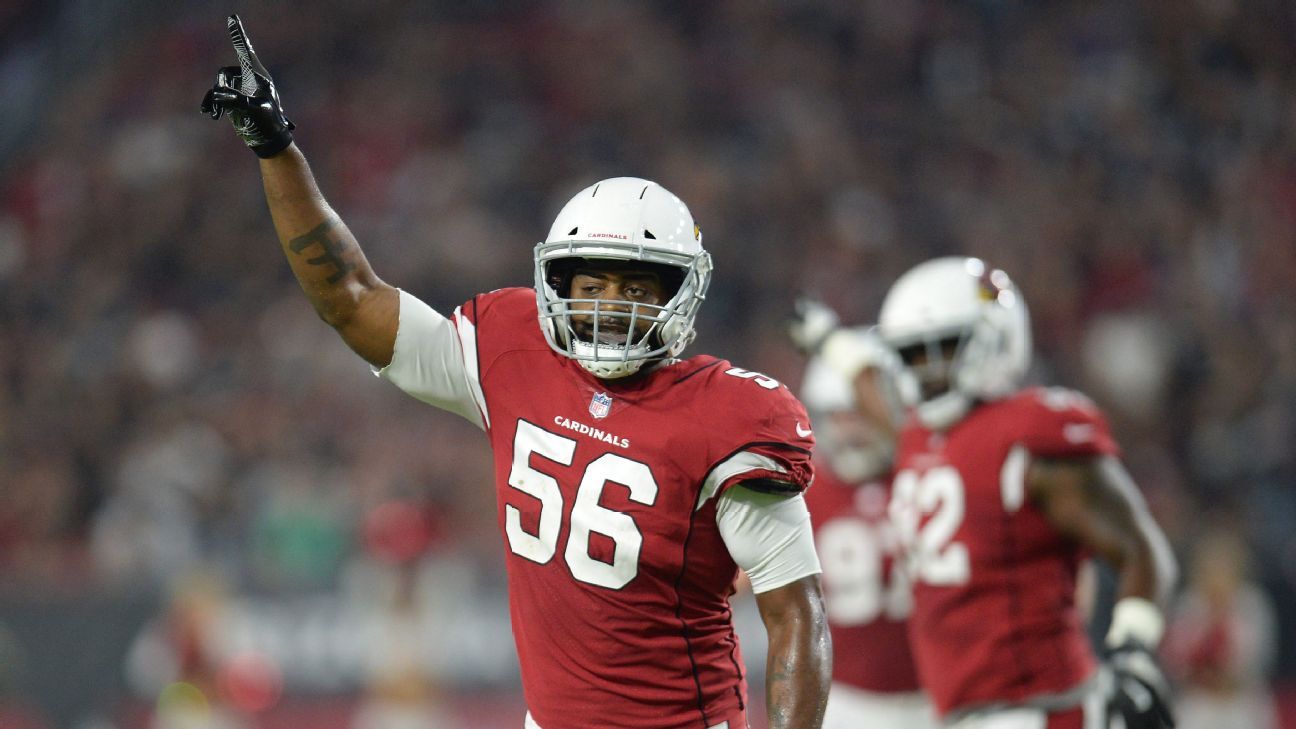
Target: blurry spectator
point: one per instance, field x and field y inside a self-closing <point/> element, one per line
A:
<point x="401" y="690"/>
<point x="1222" y="639"/>
<point x="168" y="481"/>
<point x="301" y="533"/>
<point x="180" y="658"/>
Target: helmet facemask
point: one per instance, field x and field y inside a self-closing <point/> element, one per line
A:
<point x="626" y="224"/>
<point x="931" y="376"/>
<point x="614" y="338"/>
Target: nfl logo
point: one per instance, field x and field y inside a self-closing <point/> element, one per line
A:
<point x="600" y="405"/>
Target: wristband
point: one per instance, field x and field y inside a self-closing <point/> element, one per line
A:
<point x="1136" y="618"/>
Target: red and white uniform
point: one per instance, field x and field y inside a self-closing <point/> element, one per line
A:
<point x="994" y="620"/>
<point x="867" y="597"/>
<point x="619" y="569"/>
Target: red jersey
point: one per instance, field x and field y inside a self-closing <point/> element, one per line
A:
<point x="994" y="617"/>
<point x="865" y="591"/>
<point x="618" y="576"/>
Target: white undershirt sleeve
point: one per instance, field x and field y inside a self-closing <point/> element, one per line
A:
<point x="768" y="536"/>
<point x="429" y="364"/>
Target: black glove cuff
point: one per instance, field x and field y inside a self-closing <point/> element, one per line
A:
<point x="276" y="144"/>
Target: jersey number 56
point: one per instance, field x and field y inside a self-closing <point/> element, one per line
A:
<point x="587" y="516"/>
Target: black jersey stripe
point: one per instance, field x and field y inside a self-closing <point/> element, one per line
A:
<point x="703" y="368"/>
<point x="684" y="631"/>
<point x="733" y="658"/>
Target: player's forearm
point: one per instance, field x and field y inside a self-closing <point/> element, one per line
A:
<point x="798" y="668"/>
<point x="1149" y="570"/>
<point x="1146" y="562"/>
<point x="1096" y="503"/>
<point x="324" y="256"/>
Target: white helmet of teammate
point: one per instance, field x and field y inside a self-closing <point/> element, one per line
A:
<point x="632" y="221"/>
<point x="859" y="442"/>
<point x="963" y="332"/>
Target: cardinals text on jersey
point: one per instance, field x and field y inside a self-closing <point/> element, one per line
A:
<point x="618" y="576"/>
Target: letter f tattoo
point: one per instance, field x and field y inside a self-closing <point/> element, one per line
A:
<point x="332" y="247"/>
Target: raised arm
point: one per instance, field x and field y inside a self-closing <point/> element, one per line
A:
<point x="327" y="260"/>
<point x="324" y="256"/>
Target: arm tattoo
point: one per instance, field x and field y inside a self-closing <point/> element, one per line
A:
<point x="332" y="248"/>
<point x="779" y="681"/>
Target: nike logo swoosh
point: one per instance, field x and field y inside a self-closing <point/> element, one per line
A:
<point x="803" y="432"/>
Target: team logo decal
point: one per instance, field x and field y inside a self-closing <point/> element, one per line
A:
<point x="600" y="405"/>
<point x="991" y="284"/>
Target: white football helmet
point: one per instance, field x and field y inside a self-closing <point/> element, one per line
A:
<point x="969" y="324"/>
<point x="857" y="446"/>
<point x="623" y="219"/>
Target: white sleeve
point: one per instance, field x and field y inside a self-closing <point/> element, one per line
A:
<point x="436" y="362"/>
<point x="768" y="536"/>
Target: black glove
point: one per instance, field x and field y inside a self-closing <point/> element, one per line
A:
<point x="1140" y="694"/>
<point x="811" y="324"/>
<point x="248" y="94"/>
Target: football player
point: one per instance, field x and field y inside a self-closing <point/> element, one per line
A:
<point x="631" y="484"/>
<point x="1000" y="492"/>
<point x="850" y="391"/>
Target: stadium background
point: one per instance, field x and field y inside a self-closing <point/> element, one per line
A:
<point x="211" y="512"/>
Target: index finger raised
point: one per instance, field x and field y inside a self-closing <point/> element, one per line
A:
<point x="247" y="57"/>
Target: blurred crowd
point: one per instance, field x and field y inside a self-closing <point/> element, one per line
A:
<point x="170" y="404"/>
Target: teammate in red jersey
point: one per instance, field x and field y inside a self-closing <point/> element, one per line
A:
<point x="875" y="683"/>
<point x="999" y="494"/>
<point x="631" y="485"/>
